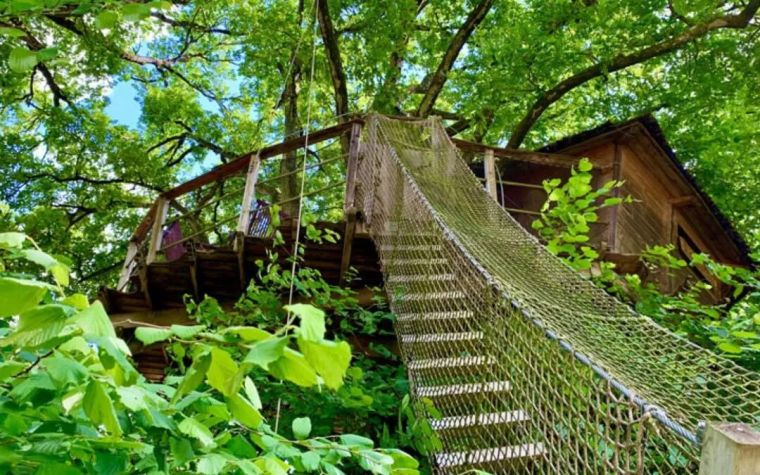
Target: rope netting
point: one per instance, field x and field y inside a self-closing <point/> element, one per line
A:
<point x="531" y="366"/>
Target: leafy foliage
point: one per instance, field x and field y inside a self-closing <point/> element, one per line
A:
<point x="570" y="210"/>
<point x="71" y="399"/>
<point x="730" y="328"/>
<point x="91" y="130"/>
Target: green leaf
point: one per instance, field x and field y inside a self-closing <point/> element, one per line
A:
<point x="63" y="370"/>
<point x="328" y="358"/>
<point x="375" y="462"/>
<point x="78" y="301"/>
<point x="38" y="326"/>
<point x="10" y="368"/>
<point x="11" y="32"/>
<point x="134" y="398"/>
<point x="149" y="335"/>
<point x="263" y="353"/>
<point x="18" y="295"/>
<point x="22" y="60"/>
<point x="301" y="427"/>
<point x="192" y="428"/>
<point x="353" y="440"/>
<point x="310" y="461"/>
<point x="244" y="411"/>
<point x="94" y="321"/>
<point x="249" y="333"/>
<point x="47" y="54"/>
<point x="730" y="348"/>
<point x="182" y="450"/>
<point x="223" y="374"/>
<point x="211" y="464"/>
<point x="106" y="20"/>
<point x="135" y="11"/>
<point x="584" y="165"/>
<point x="194" y="375"/>
<point x="107" y="463"/>
<point x="312" y="321"/>
<point x="12" y="240"/>
<point x="252" y="393"/>
<point x="293" y="367"/>
<point x="99" y="408"/>
<point x="187" y="331"/>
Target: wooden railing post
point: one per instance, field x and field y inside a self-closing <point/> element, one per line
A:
<point x="248" y="194"/>
<point x="490" y="171"/>
<point x="730" y="449"/>
<point x="130" y="263"/>
<point x="349" y="204"/>
<point x="159" y="219"/>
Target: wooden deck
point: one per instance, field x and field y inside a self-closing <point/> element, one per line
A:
<point x="219" y="272"/>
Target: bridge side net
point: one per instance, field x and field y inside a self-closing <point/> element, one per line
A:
<point x="531" y="367"/>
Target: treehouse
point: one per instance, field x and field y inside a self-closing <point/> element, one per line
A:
<point x="529" y="363"/>
<point x="205" y="236"/>
<point x="668" y="206"/>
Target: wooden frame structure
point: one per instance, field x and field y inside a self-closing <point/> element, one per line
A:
<point x="145" y="246"/>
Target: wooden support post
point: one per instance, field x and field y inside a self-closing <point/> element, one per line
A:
<point x="349" y="205"/>
<point x="194" y="275"/>
<point x="159" y="219"/>
<point x="612" y="232"/>
<point x="145" y="284"/>
<point x="490" y="172"/>
<point x="240" y="251"/>
<point x="129" y="264"/>
<point x="730" y="449"/>
<point x="249" y="193"/>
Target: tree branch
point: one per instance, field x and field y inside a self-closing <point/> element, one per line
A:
<point x="334" y="62"/>
<point x="452" y="52"/>
<point x="622" y="61"/>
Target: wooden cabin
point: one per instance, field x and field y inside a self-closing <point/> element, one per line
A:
<point x="205" y="236"/>
<point x="668" y="208"/>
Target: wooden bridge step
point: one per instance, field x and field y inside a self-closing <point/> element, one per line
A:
<point x="431" y="296"/>
<point x="394" y="279"/>
<point x="478" y="420"/>
<point x="456" y="315"/>
<point x="417" y="262"/>
<point x="458" y="362"/>
<point x="442" y="337"/>
<point x="488" y="456"/>
<point x="411" y="247"/>
<point x="463" y="389"/>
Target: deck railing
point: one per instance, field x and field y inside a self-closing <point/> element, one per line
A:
<point x="239" y="198"/>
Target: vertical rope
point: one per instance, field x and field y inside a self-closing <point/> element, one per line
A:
<point x="307" y="128"/>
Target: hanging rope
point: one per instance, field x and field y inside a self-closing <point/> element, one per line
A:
<point x="307" y="128"/>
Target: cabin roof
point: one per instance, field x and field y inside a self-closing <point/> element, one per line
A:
<point x="649" y="125"/>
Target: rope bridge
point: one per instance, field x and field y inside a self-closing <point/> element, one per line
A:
<point x="532" y="367"/>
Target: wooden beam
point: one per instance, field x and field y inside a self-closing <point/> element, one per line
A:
<point x="144" y="226"/>
<point x="348" y="242"/>
<point x="539" y="158"/>
<point x="145" y="284"/>
<point x="240" y="251"/>
<point x="349" y="205"/>
<point x="682" y="201"/>
<point x="352" y="165"/>
<point x="249" y="193"/>
<point x="159" y="218"/>
<point x="490" y="172"/>
<point x="730" y="449"/>
<point x="238" y="165"/>
<point x="129" y="264"/>
<point x="612" y="236"/>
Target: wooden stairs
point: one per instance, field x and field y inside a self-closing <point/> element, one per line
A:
<point x="448" y="359"/>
